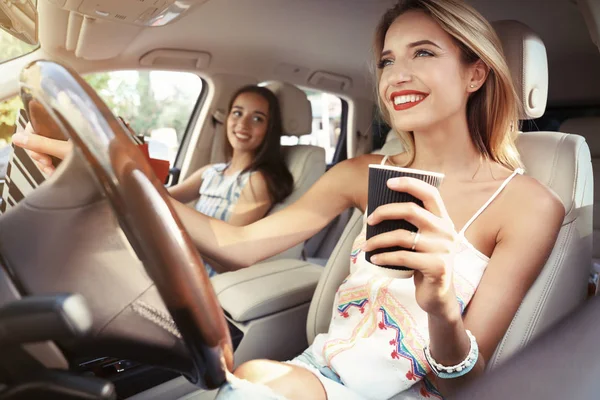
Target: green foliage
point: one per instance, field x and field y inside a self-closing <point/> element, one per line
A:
<point x="9" y="109"/>
<point x="149" y="114"/>
<point x="8" y="116"/>
<point x="99" y="82"/>
<point x="131" y="96"/>
<point x="178" y="112"/>
<point x="118" y="94"/>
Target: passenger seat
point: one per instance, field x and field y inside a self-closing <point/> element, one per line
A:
<point x="305" y="162"/>
<point x="589" y="128"/>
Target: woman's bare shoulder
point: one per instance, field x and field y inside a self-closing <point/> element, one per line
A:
<point x="530" y="199"/>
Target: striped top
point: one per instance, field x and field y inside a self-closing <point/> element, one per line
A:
<point x="219" y="193"/>
<point x="22" y="175"/>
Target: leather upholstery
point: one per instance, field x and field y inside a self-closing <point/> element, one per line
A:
<point x="306" y="163"/>
<point x="266" y="288"/>
<point x="296" y="111"/>
<point x="561" y="162"/>
<point x="335" y="272"/>
<point x="561" y="364"/>
<point x="526" y="56"/>
<point x="589" y="128"/>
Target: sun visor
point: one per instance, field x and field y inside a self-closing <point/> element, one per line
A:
<point x="103" y="30"/>
<point x="101" y="39"/>
<point x="176" y="59"/>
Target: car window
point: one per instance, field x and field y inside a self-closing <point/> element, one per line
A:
<point x="8" y="116"/>
<point x="157" y="105"/>
<point x="326" y="123"/>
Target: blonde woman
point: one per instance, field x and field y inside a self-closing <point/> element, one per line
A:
<point x="484" y="235"/>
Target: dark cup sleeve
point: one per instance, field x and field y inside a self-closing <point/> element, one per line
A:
<point x="380" y="194"/>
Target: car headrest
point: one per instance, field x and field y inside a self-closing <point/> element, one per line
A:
<point x="526" y="56"/>
<point x="588" y="127"/>
<point x="296" y="111"/>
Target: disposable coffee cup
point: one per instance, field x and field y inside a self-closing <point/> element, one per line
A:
<point x="380" y="194"/>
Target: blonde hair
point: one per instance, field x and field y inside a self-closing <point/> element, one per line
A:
<point x="493" y="110"/>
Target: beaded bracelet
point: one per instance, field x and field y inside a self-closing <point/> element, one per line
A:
<point x="457" y="370"/>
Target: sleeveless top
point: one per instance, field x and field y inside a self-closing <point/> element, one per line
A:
<point x="220" y="193"/>
<point x="378" y="331"/>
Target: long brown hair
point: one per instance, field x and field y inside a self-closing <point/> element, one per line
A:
<point x="493" y="110"/>
<point x="268" y="158"/>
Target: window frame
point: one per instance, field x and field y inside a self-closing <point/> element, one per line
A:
<point x="341" y="147"/>
<point x="192" y="121"/>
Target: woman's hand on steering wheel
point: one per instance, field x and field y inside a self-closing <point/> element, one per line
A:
<point x="40" y="148"/>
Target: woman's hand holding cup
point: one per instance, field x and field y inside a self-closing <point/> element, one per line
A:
<point x="417" y="234"/>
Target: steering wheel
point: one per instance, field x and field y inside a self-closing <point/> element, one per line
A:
<point x="59" y="96"/>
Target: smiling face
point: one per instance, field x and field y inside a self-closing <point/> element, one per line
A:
<point x="423" y="80"/>
<point x="247" y="122"/>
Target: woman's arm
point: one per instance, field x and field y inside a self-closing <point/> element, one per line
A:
<point x="254" y="202"/>
<point x="40" y="149"/>
<point x="187" y="190"/>
<point x="523" y="245"/>
<point x="236" y="247"/>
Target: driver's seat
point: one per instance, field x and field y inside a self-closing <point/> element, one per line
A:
<point x="560" y="161"/>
